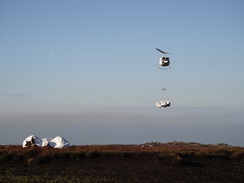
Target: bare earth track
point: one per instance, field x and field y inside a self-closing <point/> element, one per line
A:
<point x="150" y="162"/>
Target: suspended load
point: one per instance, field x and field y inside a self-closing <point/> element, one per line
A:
<point x="164" y="63"/>
<point x="160" y="104"/>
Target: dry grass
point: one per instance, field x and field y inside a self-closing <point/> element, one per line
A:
<point x="122" y="163"/>
<point x="9" y="152"/>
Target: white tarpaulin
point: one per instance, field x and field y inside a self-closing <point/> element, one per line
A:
<point x="57" y="142"/>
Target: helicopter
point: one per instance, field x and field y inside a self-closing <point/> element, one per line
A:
<point x="164" y="61"/>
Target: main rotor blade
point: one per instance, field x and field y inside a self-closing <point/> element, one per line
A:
<point x="164" y="52"/>
<point x="161" y="51"/>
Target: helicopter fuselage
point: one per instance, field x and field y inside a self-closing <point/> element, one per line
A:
<point x="164" y="61"/>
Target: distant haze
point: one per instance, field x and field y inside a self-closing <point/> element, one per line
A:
<point x="128" y="126"/>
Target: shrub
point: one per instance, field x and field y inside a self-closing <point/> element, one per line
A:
<point x="63" y="155"/>
<point x="179" y="160"/>
<point x="190" y="163"/>
<point x="82" y="155"/>
<point x="171" y="157"/>
<point x="125" y="154"/>
<point x="166" y="156"/>
<point x="33" y="153"/>
<point x="6" y="157"/>
<point x="32" y="161"/>
<point x="3" y="152"/>
<point x="237" y="155"/>
<point x="77" y="155"/>
<point x="187" y="154"/>
<point x="18" y="158"/>
<point x="43" y="160"/>
<point x="93" y="154"/>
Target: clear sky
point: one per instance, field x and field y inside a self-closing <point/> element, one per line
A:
<point x="86" y="70"/>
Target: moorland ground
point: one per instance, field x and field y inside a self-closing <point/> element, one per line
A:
<point x="122" y="163"/>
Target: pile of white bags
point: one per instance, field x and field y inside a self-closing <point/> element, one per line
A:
<point x="57" y="142"/>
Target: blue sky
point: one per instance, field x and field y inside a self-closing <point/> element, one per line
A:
<point x="90" y="67"/>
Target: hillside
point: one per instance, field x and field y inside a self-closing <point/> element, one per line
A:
<point x="149" y="162"/>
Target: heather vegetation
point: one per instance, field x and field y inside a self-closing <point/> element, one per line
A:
<point x="122" y="163"/>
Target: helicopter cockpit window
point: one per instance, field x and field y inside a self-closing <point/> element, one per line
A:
<point x="166" y="58"/>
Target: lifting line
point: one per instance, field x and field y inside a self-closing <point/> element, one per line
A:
<point x="164" y="83"/>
